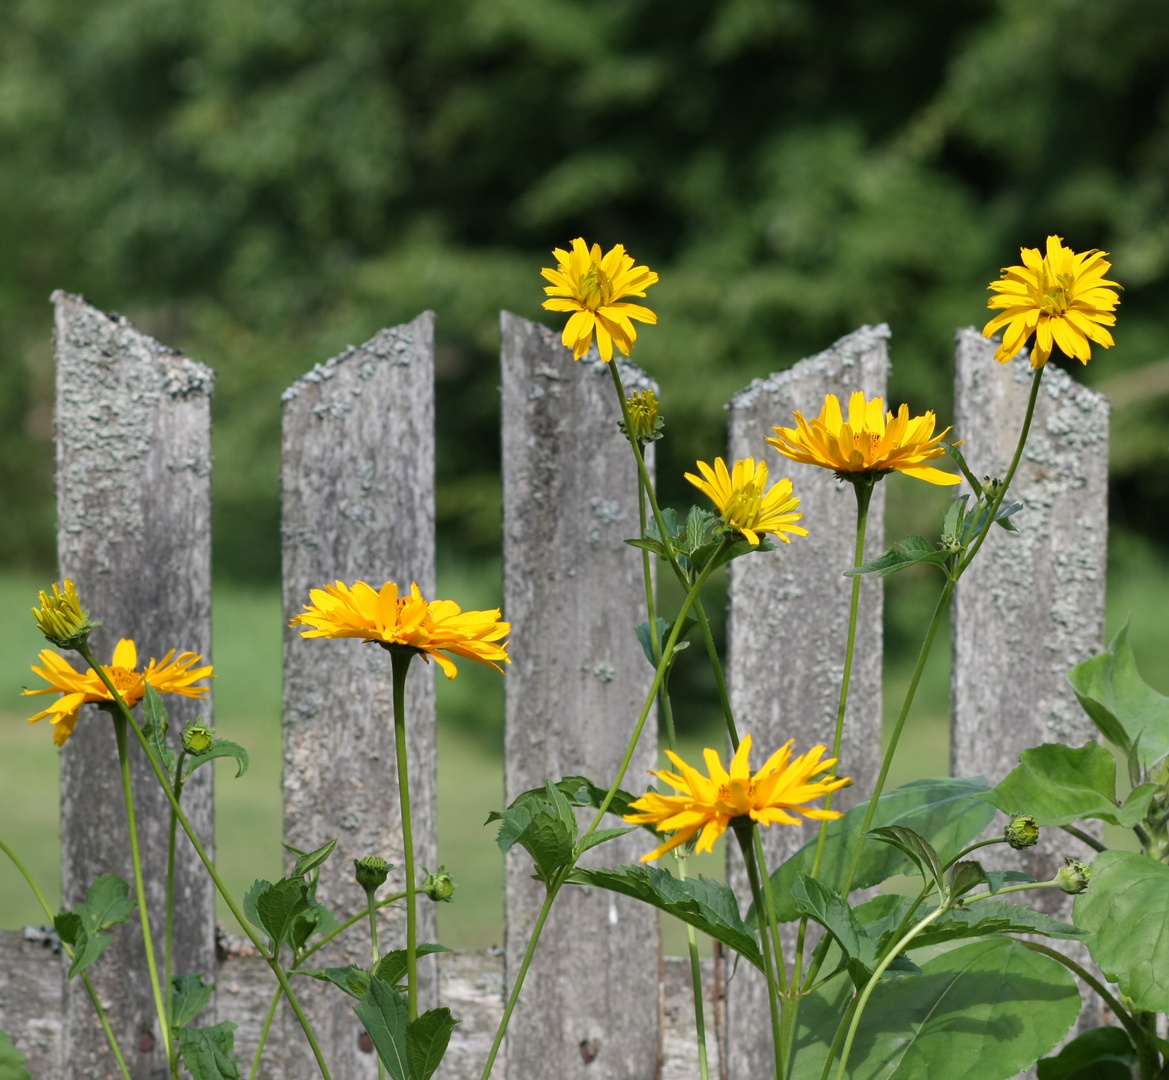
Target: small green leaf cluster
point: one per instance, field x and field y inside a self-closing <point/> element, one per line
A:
<point x="200" y="743"/>
<point x="208" y="1052"/>
<point x="696" y="543"/>
<point x="288" y="910"/>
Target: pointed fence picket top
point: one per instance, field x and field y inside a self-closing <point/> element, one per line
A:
<point x="133" y="428"/>
<point x="788" y="624"/>
<point x="1032" y="603"/>
<point x="358" y="504"/>
<point x="573" y="593"/>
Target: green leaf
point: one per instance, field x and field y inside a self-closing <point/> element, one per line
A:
<point x="995" y="879"/>
<point x="701" y="556"/>
<point x="11" y="1061"/>
<point x="385" y="1015"/>
<point x="664" y="628"/>
<point x="318" y="919"/>
<point x="277" y="905"/>
<point x="589" y="842"/>
<point x="426" y="1042"/>
<point x="1059" y="784"/>
<point x="983" y="1011"/>
<point x="220" y="748"/>
<point x="391" y="968"/>
<point x="155" y="727"/>
<point x="107" y="903"/>
<point x="1126" y="910"/>
<point x="306" y="864"/>
<point x="352" y="979"/>
<point x="670" y="520"/>
<point x="1121" y="704"/>
<point x="994" y="917"/>
<point x="941" y="809"/>
<point x="190" y="997"/>
<point x="905" y="553"/>
<point x="917" y="847"/>
<point x="563" y="808"/>
<point x="209" y="1052"/>
<point x="258" y="887"/>
<point x="581" y="791"/>
<point x="698" y="523"/>
<point x="964" y="876"/>
<point x="827" y="907"/>
<point x="548" y="841"/>
<point x="956" y="454"/>
<point x="1103" y="1053"/>
<point x="709" y="906"/>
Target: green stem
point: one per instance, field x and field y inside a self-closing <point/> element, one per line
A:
<point x="264" y="1033"/>
<point x="372" y="908"/>
<point x="1084" y="837"/>
<point x="400" y="662"/>
<point x="553" y="889"/>
<point x="101" y="1013"/>
<point x="139" y="883"/>
<point x="973" y="847"/>
<point x="168" y="943"/>
<point x="197" y="844"/>
<point x="343" y="927"/>
<point x="696" y="983"/>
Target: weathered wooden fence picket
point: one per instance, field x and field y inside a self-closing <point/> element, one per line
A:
<point x="133" y="491"/>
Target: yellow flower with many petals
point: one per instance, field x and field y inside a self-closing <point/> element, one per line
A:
<point x="871" y="441"/>
<point x="169" y="675"/>
<point x="382" y="616"/>
<point x="590" y="285"/>
<point x="61" y="618"/>
<point x="707" y="805"/>
<point x="1061" y="297"/>
<point x="744" y="502"/>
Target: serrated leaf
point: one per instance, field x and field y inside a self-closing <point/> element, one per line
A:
<point x="279" y="904"/>
<point x="385" y="1015"/>
<point x="209" y="1052"/>
<point x="669" y="519"/>
<point x="581" y="791"/>
<point x="318" y="919"/>
<point x="1103" y="1053"/>
<point x="107" y="903"/>
<point x="259" y="886"/>
<point x="392" y="967"/>
<point x="86" y="947"/>
<point x="941" y="809"/>
<point x="917" y="847"/>
<point x="352" y="979"/>
<point x="590" y="841"/>
<point x="1126" y="910"/>
<point x="155" y="727"/>
<point x="313" y="859"/>
<point x="548" y="841"/>
<point x="828" y="908"/>
<point x="988" y="917"/>
<point x="905" y="553"/>
<point x="698" y="524"/>
<point x="564" y="813"/>
<point x="709" y="906"/>
<point x="220" y="748"/>
<point x="1121" y="704"/>
<point x="952" y="519"/>
<point x="11" y="1061"/>
<point x="189" y="998"/>
<point x="426" y="1042"/>
<point x="964" y="876"/>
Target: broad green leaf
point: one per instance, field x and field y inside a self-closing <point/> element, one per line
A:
<point x="648" y="545"/>
<point x="563" y="808"/>
<point x="385" y="1016"/>
<point x="905" y="553"/>
<point x="699" y="522"/>
<point x="209" y="1052"/>
<point x="279" y="904"/>
<point x="1121" y="704"/>
<point x="1059" y="784"/>
<point x="190" y="997"/>
<point x="669" y="519"/>
<point x="306" y="864"/>
<point x="258" y="887"/>
<point x="983" y="1011"/>
<point x="11" y="1061"/>
<point x="318" y="919"/>
<point x="917" y="847"/>
<point x="587" y="843"/>
<point x="993" y="917"/>
<point x="548" y="841"/>
<point x="964" y="876"/>
<point x="664" y="628"/>
<point x="1126" y="910"/>
<point x="391" y="968"/>
<point x="86" y="947"/>
<point x="940" y="809"/>
<point x="352" y="979"/>
<point x="220" y="748"/>
<point x="107" y="903"/>
<point x="426" y="1042"/>
<point x="155" y="727"/>
<point x="827" y="907"/>
<point x="581" y="791"/>
<point x="1103" y="1053"/>
<point x="709" y="906"/>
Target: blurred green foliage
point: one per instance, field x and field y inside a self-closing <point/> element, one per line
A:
<point x="259" y="183"/>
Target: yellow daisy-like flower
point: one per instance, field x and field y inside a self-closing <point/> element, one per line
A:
<point x="871" y="441"/>
<point x="432" y="629"/>
<point x="169" y="675"/>
<point x="744" y="502"/>
<point x="709" y="804"/>
<point x="590" y="285"/>
<point x="1061" y="297"/>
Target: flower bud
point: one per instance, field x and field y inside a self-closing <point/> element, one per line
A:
<point x="1073" y="876"/>
<point x="644" y="420"/>
<point x="371" y="872"/>
<point x="61" y="618"/>
<point x="439" y="886"/>
<point x="1021" y="832"/>
<point x="198" y="738"/>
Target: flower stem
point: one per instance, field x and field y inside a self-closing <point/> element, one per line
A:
<point x="343" y="927"/>
<point x="168" y="942"/>
<point x="264" y="1032"/>
<point x="372" y="908"/>
<point x="139" y="883"/>
<point x="400" y="662"/>
<point x="696" y="983"/>
<point x="101" y="1013"/>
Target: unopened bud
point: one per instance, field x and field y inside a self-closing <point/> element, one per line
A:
<point x="371" y="872"/>
<point x="1073" y="876"/>
<point x="198" y="738"/>
<point x="1021" y="832"/>
<point x="439" y="886"/>
<point x="61" y="618"/>
<point x="644" y="420"/>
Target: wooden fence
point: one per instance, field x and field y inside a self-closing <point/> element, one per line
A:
<point x="133" y="492"/>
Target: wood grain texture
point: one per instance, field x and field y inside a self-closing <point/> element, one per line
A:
<point x="134" y="533"/>
<point x="32" y="984"/>
<point x="788" y="628"/>
<point x="358" y="504"/>
<point x="573" y="593"/>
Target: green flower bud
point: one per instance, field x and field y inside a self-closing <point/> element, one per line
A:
<point x="643" y="417"/>
<point x="439" y="886"/>
<point x="198" y="738"/>
<point x="1021" y="832"/>
<point x="1073" y="876"/>
<point x="371" y="872"/>
<point x="61" y="618"/>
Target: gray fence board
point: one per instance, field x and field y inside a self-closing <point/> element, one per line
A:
<point x="788" y="625"/>
<point x="573" y="594"/>
<point x="358" y="503"/>
<point x="133" y="531"/>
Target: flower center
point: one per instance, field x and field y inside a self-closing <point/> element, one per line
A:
<point x="1054" y="295"/>
<point x="744" y="505"/>
<point x="125" y="680"/>
<point x="596" y="288"/>
<point x="736" y="797"/>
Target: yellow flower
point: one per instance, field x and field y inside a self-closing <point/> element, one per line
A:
<point x="1063" y="298"/>
<point x="61" y="618"/>
<point x="432" y="629"/>
<point x="711" y="804"/>
<point x="168" y="676"/>
<point x="589" y="286"/>
<point x="744" y="505"/>
<point x="872" y="441"/>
